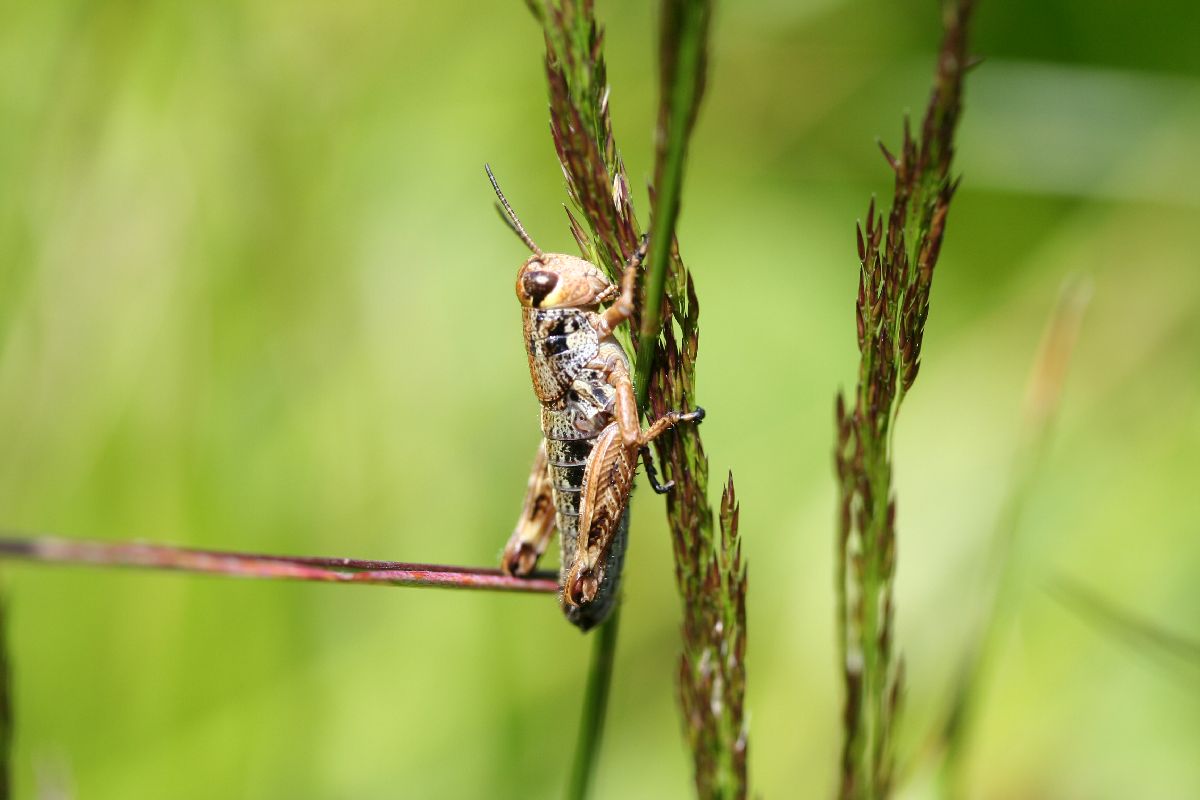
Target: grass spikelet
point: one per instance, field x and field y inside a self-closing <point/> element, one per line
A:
<point x="897" y="262"/>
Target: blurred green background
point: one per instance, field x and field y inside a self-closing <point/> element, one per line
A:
<point x="253" y="295"/>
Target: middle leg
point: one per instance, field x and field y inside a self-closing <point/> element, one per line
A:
<point x="616" y="372"/>
<point x="652" y="474"/>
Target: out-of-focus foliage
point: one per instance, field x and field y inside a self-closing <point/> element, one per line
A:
<point x="253" y="295"/>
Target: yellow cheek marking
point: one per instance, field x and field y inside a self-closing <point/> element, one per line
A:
<point x="553" y="298"/>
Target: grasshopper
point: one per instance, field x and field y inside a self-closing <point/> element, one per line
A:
<point x="583" y="472"/>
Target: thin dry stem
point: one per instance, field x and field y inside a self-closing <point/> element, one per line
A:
<point x="55" y="550"/>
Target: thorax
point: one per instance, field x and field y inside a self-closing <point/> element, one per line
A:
<point x="560" y="343"/>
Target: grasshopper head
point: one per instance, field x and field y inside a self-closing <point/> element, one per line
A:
<point x="553" y="280"/>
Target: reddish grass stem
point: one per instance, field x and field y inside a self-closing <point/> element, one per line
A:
<point x="57" y="550"/>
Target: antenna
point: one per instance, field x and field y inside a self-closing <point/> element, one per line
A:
<point x="510" y="217"/>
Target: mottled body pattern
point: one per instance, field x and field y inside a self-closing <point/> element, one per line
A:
<point x="585" y="466"/>
<point x="567" y="363"/>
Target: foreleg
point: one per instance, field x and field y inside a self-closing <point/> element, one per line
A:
<point x="622" y="307"/>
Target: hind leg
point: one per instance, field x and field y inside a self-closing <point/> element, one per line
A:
<point x="535" y="527"/>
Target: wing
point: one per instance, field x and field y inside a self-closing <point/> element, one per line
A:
<point x="607" y="482"/>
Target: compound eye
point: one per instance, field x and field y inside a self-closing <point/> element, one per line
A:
<point x="537" y="284"/>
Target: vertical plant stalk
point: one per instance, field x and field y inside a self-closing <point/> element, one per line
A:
<point x="709" y="570"/>
<point x="595" y="704"/>
<point x="683" y="64"/>
<point x="896" y="273"/>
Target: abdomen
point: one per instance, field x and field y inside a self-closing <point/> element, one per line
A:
<point x="571" y="426"/>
